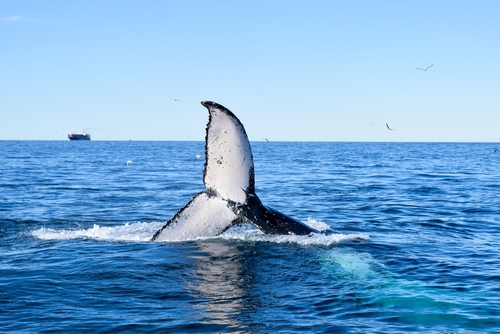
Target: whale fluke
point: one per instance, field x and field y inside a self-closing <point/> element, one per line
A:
<point x="229" y="198"/>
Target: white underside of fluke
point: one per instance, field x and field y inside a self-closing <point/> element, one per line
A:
<point x="203" y="217"/>
<point x="229" y="161"/>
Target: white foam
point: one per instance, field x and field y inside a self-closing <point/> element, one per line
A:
<point x="313" y="239"/>
<point x="143" y="232"/>
<point x="317" y="225"/>
<point x="135" y="232"/>
<point x="247" y="232"/>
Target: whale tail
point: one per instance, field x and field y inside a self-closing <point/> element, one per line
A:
<point x="230" y="196"/>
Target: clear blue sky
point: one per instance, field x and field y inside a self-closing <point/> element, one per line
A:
<point x="290" y="70"/>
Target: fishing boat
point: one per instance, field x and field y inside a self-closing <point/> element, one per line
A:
<point x="79" y="136"/>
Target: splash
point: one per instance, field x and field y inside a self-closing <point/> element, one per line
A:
<point x="249" y="233"/>
<point x="142" y="232"/>
<point x="135" y="232"/>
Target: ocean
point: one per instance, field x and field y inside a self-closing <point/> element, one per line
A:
<point x="411" y="242"/>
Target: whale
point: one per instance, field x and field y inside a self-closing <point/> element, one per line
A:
<point x="229" y="198"/>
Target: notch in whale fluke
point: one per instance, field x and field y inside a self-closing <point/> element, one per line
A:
<point x="229" y="198"/>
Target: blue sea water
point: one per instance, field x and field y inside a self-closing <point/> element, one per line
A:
<point x="412" y="245"/>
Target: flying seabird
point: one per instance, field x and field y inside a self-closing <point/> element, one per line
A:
<point x="176" y="100"/>
<point x="424" y="69"/>
<point x="265" y="139"/>
<point x="388" y="127"/>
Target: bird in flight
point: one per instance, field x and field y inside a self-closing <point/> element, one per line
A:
<point x="496" y="149"/>
<point x="424" y="69"/>
<point x="388" y="127"/>
<point x="176" y="100"/>
<point x="265" y="139"/>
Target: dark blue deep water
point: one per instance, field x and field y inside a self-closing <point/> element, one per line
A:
<point x="413" y="246"/>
